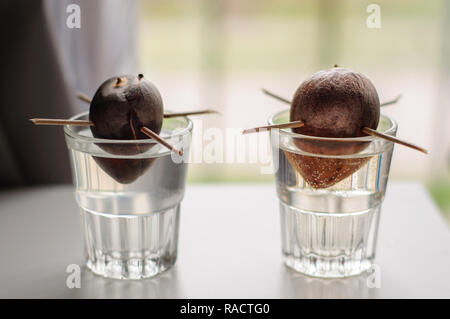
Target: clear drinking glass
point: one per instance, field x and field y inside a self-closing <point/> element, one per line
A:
<point x="330" y="192"/>
<point x="129" y="194"/>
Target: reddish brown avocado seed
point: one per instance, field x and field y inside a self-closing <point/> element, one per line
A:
<point x="120" y="107"/>
<point x="336" y="103"/>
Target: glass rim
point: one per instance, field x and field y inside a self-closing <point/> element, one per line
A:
<point x="68" y="130"/>
<point x="389" y="131"/>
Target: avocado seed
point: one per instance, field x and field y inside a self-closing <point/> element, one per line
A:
<point x="335" y="103"/>
<point x="120" y="108"/>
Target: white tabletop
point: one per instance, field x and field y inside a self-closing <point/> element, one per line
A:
<point x="229" y="248"/>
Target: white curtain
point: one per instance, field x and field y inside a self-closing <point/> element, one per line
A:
<point x="44" y="63"/>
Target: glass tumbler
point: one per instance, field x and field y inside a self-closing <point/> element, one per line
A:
<point x="330" y="192"/>
<point x="129" y="194"/>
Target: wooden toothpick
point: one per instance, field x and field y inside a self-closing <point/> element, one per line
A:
<point x="372" y="132"/>
<point x="145" y="130"/>
<point x="157" y="138"/>
<point x="269" y="127"/>
<point x="391" y="101"/>
<point x="275" y="96"/>
<point x="367" y="130"/>
<point x="39" y="121"/>
<point x="83" y="97"/>
<point x="86" y="99"/>
<point x="170" y="115"/>
<point x="282" y="99"/>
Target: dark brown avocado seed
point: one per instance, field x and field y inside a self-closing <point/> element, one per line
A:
<point x="124" y="171"/>
<point x="124" y="108"/>
<point x="120" y="108"/>
<point x="122" y="105"/>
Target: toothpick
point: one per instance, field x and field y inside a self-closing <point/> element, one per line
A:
<point x="84" y="97"/>
<point x="39" y="121"/>
<point x="170" y="115"/>
<point x="367" y="130"/>
<point x="156" y="137"/>
<point x="269" y="127"/>
<point x="282" y="99"/>
<point x="391" y="101"/>
<point x="370" y="131"/>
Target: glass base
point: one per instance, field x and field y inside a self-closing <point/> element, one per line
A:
<point x="130" y="246"/>
<point x="328" y="245"/>
<point x="322" y="267"/>
<point x="134" y="268"/>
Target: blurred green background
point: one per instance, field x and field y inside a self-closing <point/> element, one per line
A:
<point x="218" y="54"/>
